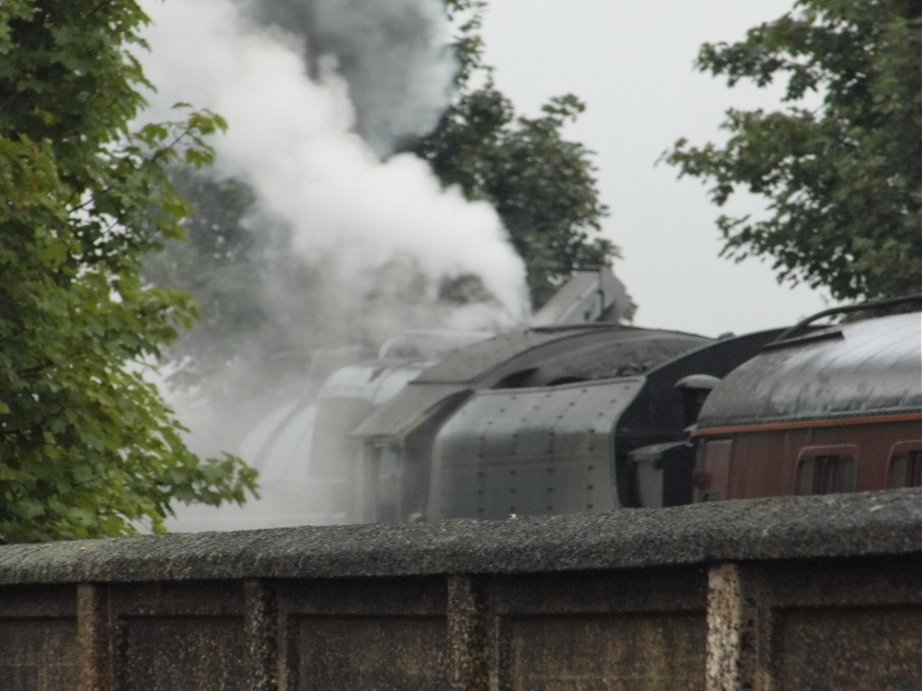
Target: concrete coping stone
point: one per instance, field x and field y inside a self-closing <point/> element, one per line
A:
<point x="828" y="526"/>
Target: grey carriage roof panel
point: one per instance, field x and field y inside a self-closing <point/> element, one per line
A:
<point x="871" y="367"/>
<point x="410" y="407"/>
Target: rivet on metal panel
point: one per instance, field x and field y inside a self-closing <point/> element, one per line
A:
<point x="588" y="506"/>
<point x="588" y="486"/>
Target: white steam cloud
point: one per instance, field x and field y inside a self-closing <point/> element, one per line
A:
<point x="318" y="94"/>
<point x="292" y="136"/>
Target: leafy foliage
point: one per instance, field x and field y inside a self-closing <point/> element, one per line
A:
<point x="259" y="299"/>
<point x="218" y="266"/>
<point x="87" y="445"/>
<point x="543" y="186"/>
<point x="844" y="180"/>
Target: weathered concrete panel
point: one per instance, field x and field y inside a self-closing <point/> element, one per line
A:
<point x="627" y="591"/>
<point x="170" y="653"/>
<point x="607" y="652"/>
<point x="849" y="648"/>
<point x="411" y="596"/>
<point x="38" y="654"/>
<point x="370" y="653"/>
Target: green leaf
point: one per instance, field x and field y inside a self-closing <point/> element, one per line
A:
<point x="842" y="181"/>
<point x="85" y="442"/>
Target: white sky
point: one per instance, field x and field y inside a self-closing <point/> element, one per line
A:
<point x="631" y="62"/>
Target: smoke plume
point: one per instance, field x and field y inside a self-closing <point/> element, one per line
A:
<point x="298" y="128"/>
<point x="318" y="95"/>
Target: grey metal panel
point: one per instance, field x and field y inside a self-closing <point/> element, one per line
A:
<point x="407" y="409"/>
<point x="628" y="354"/>
<point x="868" y="367"/>
<point x="594" y="352"/>
<point x="606" y="349"/>
<point x="371" y="381"/>
<point x="587" y="297"/>
<point x="466" y="365"/>
<point x="530" y="451"/>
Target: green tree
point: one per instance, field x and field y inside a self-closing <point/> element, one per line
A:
<point x="258" y="298"/>
<point x="843" y="180"/>
<point x="219" y="264"/>
<point x="543" y="186"/>
<point x="87" y="445"/>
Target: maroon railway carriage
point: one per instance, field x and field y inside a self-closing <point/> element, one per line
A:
<point x="835" y="409"/>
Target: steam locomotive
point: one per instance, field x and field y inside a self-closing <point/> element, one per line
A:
<point x="580" y="415"/>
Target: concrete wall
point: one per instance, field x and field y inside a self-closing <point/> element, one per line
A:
<point x="808" y="592"/>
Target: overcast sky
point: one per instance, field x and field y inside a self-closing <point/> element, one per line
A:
<point x="631" y="62"/>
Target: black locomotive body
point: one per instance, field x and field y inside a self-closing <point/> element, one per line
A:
<point x="594" y="417"/>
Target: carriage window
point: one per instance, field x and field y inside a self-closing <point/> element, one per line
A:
<point x="906" y="465"/>
<point x="826" y="471"/>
